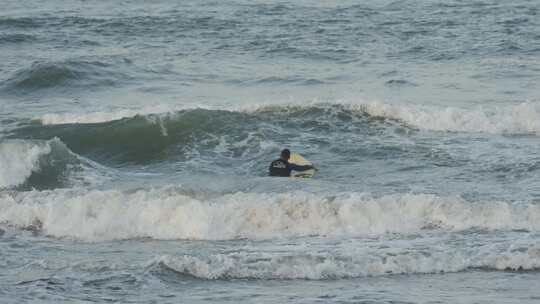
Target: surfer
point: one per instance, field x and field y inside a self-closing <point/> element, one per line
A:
<point x="282" y="167"/>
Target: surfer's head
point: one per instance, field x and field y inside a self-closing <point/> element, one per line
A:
<point x="285" y="154"/>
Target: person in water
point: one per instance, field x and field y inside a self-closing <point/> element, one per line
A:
<point x="282" y="167"/>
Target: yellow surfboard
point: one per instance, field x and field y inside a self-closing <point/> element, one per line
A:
<point x="300" y="160"/>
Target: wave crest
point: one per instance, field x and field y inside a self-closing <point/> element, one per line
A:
<point x="523" y="118"/>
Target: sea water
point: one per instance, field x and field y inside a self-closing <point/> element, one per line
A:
<point x="135" y="139"/>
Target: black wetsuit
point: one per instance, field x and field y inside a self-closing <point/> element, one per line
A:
<point x="281" y="167"/>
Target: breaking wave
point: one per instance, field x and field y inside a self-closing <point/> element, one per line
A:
<point x="143" y="139"/>
<point x="16" y="38"/>
<point x="40" y="164"/>
<point x="522" y="118"/>
<point x="169" y="213"/>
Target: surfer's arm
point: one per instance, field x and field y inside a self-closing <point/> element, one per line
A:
<point x="294" y="167"/>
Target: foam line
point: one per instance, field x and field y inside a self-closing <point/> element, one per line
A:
<point x="167" y="213"/>
<point x="364" y="263"/>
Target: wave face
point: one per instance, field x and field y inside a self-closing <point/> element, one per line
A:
<point x="168" y="213"/>
<point x="144" y="136"/>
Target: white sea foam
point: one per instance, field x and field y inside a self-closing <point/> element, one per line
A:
<point x="246" y="265"/>
<point x="166" y="213"/>
<point x="522" y="118"/>
<point x="18" y="159"/>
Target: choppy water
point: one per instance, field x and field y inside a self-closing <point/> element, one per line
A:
<point x="135" y="139"/>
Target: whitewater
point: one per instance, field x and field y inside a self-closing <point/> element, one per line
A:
<point x="135" y="140"/>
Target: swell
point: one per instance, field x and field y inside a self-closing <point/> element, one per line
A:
<point x="16" y="38"/>
<point x="123" y="26"/>
<point x="172" y="213"/>
<point x="519" y="118"/>
<point x="20" y="22"/>
<point x="71" y="73"/>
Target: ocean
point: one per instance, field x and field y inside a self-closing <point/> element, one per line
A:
<point x="135" y="140"/>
